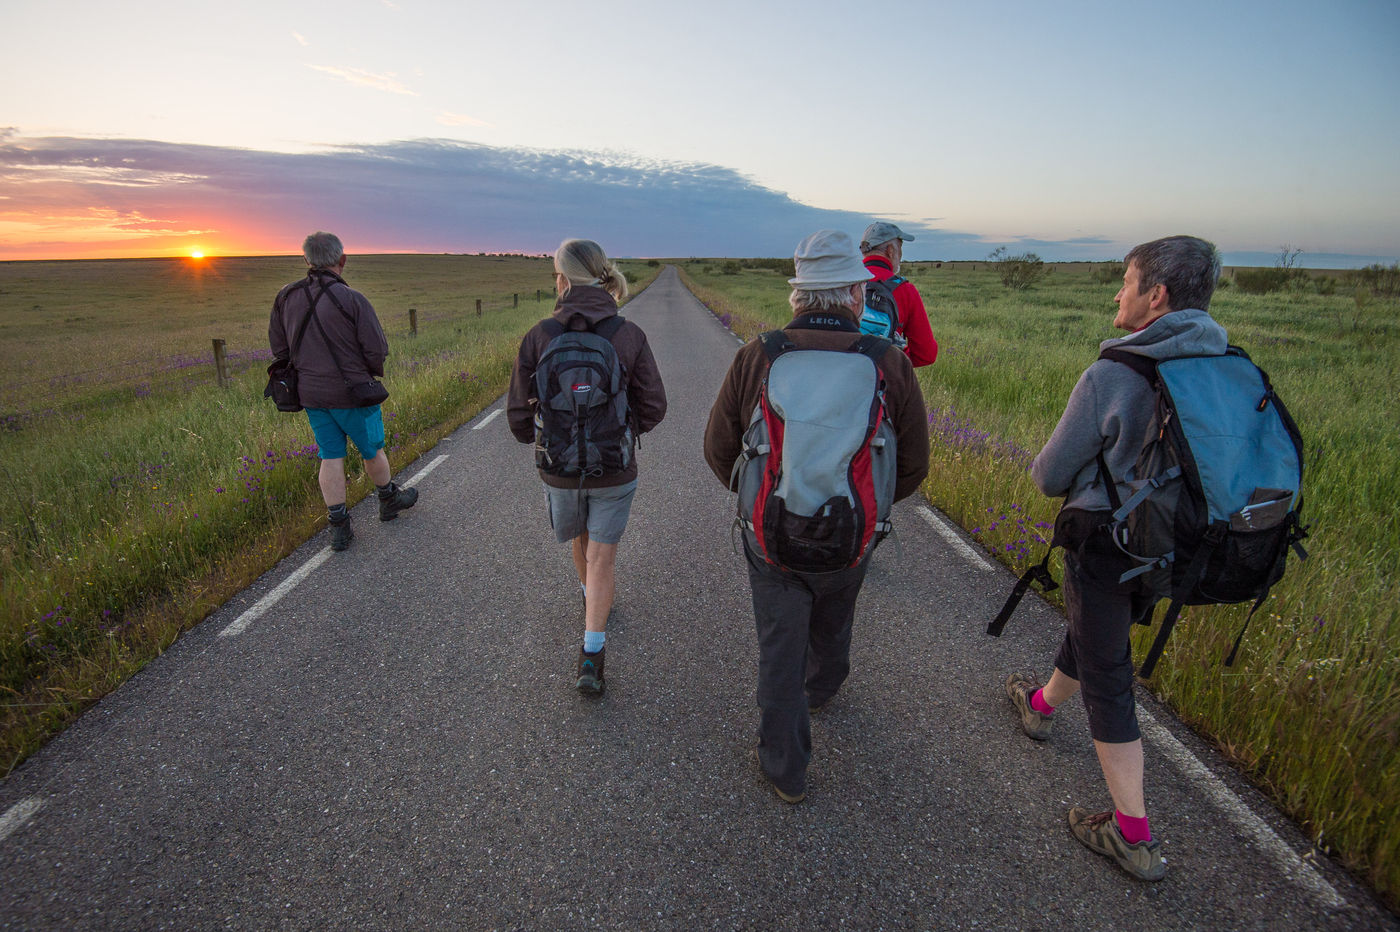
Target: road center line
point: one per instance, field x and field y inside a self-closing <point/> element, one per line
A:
<point x="954" y="540"/>
<point x="241" y="623"/>
<point x="1256" y="829"/>
<point x="18" y="816"/>
<point x="437" y="461"/>
<point x="487" y="419"/>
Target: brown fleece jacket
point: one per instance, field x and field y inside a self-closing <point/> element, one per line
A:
<point x="646" y="396"/>
<point x="739" y="393"/>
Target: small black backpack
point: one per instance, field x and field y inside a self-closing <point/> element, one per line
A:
<point x="583" y="424"/>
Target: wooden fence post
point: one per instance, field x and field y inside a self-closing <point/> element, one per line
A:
<point x="515" y="299"/>
<point x="538" y="293"/>
<point x="413" y="321"/>
<point x="478" y="307"/>
<point x="221" y="364"/>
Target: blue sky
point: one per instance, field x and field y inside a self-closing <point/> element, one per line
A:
<point x="1074" y="129"/>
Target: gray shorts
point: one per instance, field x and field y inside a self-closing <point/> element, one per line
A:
<point x="601" y="512"/>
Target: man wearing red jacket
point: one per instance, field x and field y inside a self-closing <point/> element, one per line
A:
<point x="883" y="248"/>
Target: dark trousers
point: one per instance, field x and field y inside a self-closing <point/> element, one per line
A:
<point x="804" y="655"/>
<point x="1096" y="650"/>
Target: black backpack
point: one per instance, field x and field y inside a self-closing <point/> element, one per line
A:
<point x="582" y="422"/>
<point x="1217" y="493"/>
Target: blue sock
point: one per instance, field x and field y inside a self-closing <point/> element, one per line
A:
<point x="593" y="641"/>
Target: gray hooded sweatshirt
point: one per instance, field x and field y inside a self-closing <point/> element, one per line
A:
<point x="1112" y="408"/>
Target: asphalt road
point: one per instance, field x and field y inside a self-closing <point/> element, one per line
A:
<point x="396" y="743"/>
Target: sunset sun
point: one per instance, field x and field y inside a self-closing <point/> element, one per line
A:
<point x="196" y="254"/>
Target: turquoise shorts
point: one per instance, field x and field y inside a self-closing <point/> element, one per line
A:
<point x="331" y="426"/>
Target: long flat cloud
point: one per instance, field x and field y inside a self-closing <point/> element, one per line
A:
<point x="417" y="196"/>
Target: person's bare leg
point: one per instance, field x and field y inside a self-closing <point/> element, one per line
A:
<point x="1060" y="689"/>
<point x="602" y="582"/>
<point x="1122" y="769"/>
<point x="378" y="469"/>
<point x="332" y="479"/>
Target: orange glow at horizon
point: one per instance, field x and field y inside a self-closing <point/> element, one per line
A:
<point x="196" y="254"/>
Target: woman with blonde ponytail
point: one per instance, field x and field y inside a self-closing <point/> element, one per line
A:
<point x="589" y="502"/>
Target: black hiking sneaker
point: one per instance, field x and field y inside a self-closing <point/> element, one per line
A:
<point x="396" y="500"/>
<point x="1019" y="688"/>
<point x="590" y="672"/>
<point x="341" y="534"/>
<point x="1099" y="832"/>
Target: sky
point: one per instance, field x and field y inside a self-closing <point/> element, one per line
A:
<point x="1074" y="130"/>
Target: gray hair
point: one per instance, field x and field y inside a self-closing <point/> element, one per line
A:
<point x="583" y="262"/>
<point x="821" y="299"/>
<point x="1186" y="265"/>
<point x="322" y="250"/>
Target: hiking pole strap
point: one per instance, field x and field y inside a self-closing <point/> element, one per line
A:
<point x="1230" y="660"/>
<point x="1110" y="486"/>
<point x="1038" y="573"/>
<point x="1193" y="576"/>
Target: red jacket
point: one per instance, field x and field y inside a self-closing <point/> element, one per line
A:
<point x="913" y="319"/>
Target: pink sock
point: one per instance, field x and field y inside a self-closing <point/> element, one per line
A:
<point x="1040" y="705"/>
<point x="1134" y="829"/>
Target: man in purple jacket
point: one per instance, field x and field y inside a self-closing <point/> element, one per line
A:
<point x="1167" y="287"/>
<point x="342" y="345"/>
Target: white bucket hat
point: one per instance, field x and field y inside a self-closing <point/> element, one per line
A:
<point x="828" y="259"/>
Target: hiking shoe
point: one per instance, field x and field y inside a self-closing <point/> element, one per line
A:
<point x="341" y="534"/>
<point x="590" y="672"/>
<point x="791" y="799"/>
<point x="1099" y="832"/>
<point x="398" y="499"/>
<point x="1019" y="688"/>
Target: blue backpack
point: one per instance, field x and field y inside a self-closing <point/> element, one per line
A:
<point x="880" y="316"/>
<point x="1216" y="492"/>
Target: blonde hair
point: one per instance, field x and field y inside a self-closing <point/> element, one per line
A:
<point x="583" y="262"/>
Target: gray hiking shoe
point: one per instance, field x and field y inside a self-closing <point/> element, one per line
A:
<point x="1099" y="832"/>
<point x="341" y="534"/>
<point x="1019" y="689"/>
<point x="398" y="499"/>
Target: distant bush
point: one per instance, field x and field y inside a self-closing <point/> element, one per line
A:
<point x="730" y="267"/>
<point x="785" y="267"/>
<point x="1018" y="272"/>
<point x="653" y="263"/>
<point x="1325" y="285"/>
<point x="631" y="277"/>
<point x="1107" y="273"/>
<point x="1262" y="281"/>
<point x="1380" y="280"/>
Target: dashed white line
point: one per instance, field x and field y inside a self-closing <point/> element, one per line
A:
<point x="437" y="461"/>
<point x="241" y="623"/>
<point x="18" y="816"/>
<point x="487" y="419"/>
<point x="1256" y="829"/>
<point x="954" y="540"/>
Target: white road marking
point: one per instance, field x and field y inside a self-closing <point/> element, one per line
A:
<point x="1256" y="829"/>
<point x="437" y="461"/>
<point x="241" y="623"/>
<point x="18" y="816"/>
<point x="954" y="540"/>
<point x="487" y="419"/>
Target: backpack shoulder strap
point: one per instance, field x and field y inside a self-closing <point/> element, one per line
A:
<point x="610" y="326"/>
<point x="1143" y="366"/>
<point x="775" y="343"/>
<point x="872" y="346"/>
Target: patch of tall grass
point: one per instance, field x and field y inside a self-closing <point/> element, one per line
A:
<point x="125" y="517"/>
<point x="1311" y="709"/>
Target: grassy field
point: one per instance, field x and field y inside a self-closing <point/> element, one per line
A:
<point x="138" y="495"/>
<point x="1311" y="709"/>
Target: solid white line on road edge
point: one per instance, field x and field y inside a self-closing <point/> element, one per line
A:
<point x="1255" y="828"/>
<point x="487" y="419"/>
<point x="437" y="461"/>
<point x="18" y="816"/>
<point x="241" y="623"/>
<point x="954" y="540"/>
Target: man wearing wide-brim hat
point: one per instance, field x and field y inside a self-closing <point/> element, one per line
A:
<point x="804" y="620"/>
